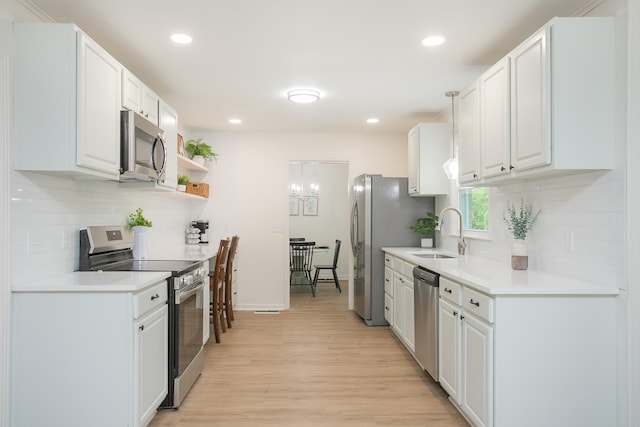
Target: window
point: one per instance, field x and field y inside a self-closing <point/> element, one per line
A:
<point x="474" y="205"/>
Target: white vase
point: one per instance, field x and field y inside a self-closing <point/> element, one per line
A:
<point x="199" y="160"/>
<point x="140" y="241"/>
<point x="426" y="242"/>
<point x="519" y="255"/>
<point x="182" y="187"/>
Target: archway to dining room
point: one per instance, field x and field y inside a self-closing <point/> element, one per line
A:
<point x="319" y="212"/>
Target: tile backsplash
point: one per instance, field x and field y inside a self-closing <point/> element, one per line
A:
<point x="579" y="233"/>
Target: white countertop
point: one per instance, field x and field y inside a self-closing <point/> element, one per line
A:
<point x="200" y="252"/>
<point x="496" y="278"/>
<point x="94" y="281"/>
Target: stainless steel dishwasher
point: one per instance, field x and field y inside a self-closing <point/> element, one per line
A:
<point x="425" y="302"/>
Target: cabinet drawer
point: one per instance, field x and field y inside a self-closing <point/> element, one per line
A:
<point x="149" y="299"/>
<point x="479" y="304"/>
<point x="397" y="264"/>
<point x="451" y="291"/>
<point x="407" y="268"/>
<point x="388" y="281"/>
<point x="388" y="309"/>
<point x="388" y="260"/>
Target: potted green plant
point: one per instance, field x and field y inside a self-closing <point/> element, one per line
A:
<point x="519" y="223"/>
<point x="182" y="182"/>
<point x="426" y="227"/>
<point x="137" y="222"/>
<point x="199" y="151"/>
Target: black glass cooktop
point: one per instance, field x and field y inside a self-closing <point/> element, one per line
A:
<point x="176" y="267"/>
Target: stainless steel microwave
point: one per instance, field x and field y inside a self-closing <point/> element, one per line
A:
<point x="143" y="153"/>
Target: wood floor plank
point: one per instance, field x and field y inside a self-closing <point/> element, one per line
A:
<point x="316" y="364"/>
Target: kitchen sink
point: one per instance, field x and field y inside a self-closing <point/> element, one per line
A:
<point x="432" y="256"/>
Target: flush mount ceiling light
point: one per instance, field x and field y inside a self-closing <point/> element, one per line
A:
<point x="433" y="41"/>
<point x="235" y="121"/>
<point x="372" y="120"/>
<point x="303" y="96"/>
<point x="181" y="38"/>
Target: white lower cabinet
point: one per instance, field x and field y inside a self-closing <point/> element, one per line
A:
<point x="90" y="358"/>
<point x="528" y="360"/>
<point x="399" y="299"/>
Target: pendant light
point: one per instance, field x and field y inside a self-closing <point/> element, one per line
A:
<point x="451" y="166"/>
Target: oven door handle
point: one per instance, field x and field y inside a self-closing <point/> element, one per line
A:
<point x="183" y="295"/>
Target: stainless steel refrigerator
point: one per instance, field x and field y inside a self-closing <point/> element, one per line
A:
<point x="381" y="215"/>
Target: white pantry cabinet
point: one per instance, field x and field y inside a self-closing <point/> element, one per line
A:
<point x="66" y="102"/>
<point x="428" y="150"/>
<point x="138" y="97"/>
<point x="89" y="358"/>
<point x="520" y="359"/>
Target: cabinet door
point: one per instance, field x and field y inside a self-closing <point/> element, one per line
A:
<point x="98" y="144"/>
<point x="494" y="120"/>
<point x="408" y="331"/>
<point x="449" y="347"/>
<point x="388" y="281"/>
<point x="169" y="123"/>
<point x="150" y="105"/>
<point x="388" y="309"/>
<point x="468" y="135"/>
<point x="414" y="160"/>
<point x="530" y="103"/>
<point x="131" y="92"/>
<point x="477" y="365"/>
<point x="398" y="304"/>
<point x="151" y="362"/>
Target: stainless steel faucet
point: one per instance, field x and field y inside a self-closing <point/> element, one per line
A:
<point x="462" y="245"/>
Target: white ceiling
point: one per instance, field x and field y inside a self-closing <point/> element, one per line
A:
<point x="365" y="56"/>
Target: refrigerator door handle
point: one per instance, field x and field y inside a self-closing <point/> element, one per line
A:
<point x="354" y="226"/>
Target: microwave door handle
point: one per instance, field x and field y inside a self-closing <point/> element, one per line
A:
<point x="157" y="141"/>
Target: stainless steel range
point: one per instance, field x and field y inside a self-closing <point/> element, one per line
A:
<point x="109" y="248"/>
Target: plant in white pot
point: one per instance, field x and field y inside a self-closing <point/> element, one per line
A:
<point x="426" y="227"/>
<point x="199" y="151"/>
<point x="182" y="182"/>
<point x="519" y="223"/>
<point x="139" y="224"/>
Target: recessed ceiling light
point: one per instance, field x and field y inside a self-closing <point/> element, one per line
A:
<point x="372" y="120"/>
<point x="235" y="121"/>
<point x="303" y="96"/>
<point x="181" y="38"/>
<point x="433" y="41"/>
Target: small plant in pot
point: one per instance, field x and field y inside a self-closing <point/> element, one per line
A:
<point x="519" y="224"/>
<point x="139" y="224"/>
<point x="199" y="151"/>
<point x="182" y="182"/>
<point x="426" y="227"/>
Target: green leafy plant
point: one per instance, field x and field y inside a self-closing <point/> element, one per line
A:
<point x="183" y="179"/>
<point x="195" y="147"/>
<point x="137" y="218"/>
<point x="520" y="223"/>
<point x="426" y="225"/>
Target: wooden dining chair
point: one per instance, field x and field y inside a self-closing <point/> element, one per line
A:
<point x="331" y="267"/>
<point x="216" y="286"/>
<point x="300" y="262"/>
<point x="228" y="281"/>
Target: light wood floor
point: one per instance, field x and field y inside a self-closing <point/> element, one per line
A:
<point x="317" y="364"/>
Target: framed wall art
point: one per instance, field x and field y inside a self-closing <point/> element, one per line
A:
<point x="181" y="145"/>
<point x="310" y="206"/>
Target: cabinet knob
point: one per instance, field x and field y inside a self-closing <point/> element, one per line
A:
<point x="511" y="167"/>
<point x="475" y="175"/>
<point x="455" y="313"/>
<point x="156" y="296"/>
<point x="141" y="327"/>
<point x="472" y="302"/>
<point x="461" y="317"/>
<point x="502" y="168"/>
<point x="386" y="308"/>
<point x="447" y="290"/>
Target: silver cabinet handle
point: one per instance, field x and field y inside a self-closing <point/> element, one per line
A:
<point x="472" y="302"/>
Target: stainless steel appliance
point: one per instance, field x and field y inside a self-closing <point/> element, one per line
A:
<point x="425" y="305"/>
<point x="143" y="153"/>
<point x="108" y="248"/>
<point x="381" y="215"/>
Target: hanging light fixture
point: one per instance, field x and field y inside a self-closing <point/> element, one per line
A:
<point x="451" y="165"/>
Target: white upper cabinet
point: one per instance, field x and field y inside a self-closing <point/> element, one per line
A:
<point x="427" y="153"/>
<point x="66" y="102"/>
<point x="494" y="120"/>
<point x="548" y="107"/>
<point x="136" y="96"/>
<point x="468" y="135"/>
<point x="169" y="123"/>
